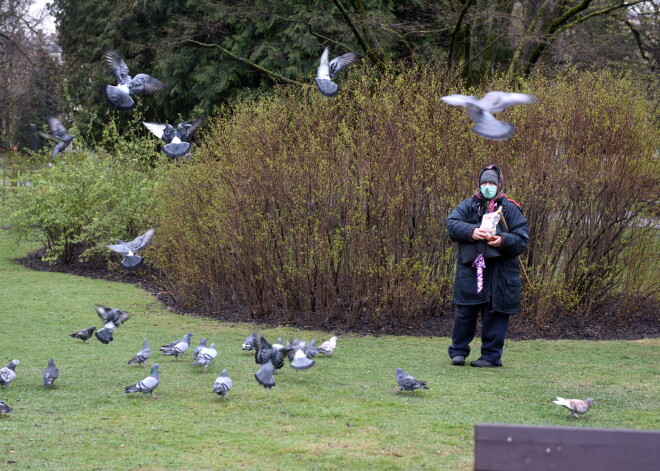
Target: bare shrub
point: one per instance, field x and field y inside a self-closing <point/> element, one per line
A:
<point x="335" y="209"/>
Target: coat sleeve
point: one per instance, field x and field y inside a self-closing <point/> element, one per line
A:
<point x="460" y="230"/>
<point x="514" y="242"/>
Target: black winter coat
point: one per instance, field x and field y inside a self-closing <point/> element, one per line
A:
<point x="502" y="274"/>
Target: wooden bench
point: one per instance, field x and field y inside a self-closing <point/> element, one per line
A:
<point x="506" y="447"/>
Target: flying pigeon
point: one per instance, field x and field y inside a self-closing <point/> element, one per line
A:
<point x="177" y="141"/>
<point x="206" y="356"/>
<point x="311" y="350"/>
<point x="328" y="347"/>
<point x="50" y="373"/>
<point x="84" y="334"/>
<point x="4" y="408"/>
<point x="329" y="70"/>
<point x="129" y="249"/>
<point x="481" y="112"/>
<point x="269" y="358"/>
<point x="148" y="384"/>
<point x="300" y="360"/>
<point x="119" y="97"/>
<point x="178" y="347"/>
<point x="222" y="385"/>
<point x="58" y="135"/>
<point x="198" y="348"/>
<point x="407" y="382"/>
<point x="113" y="318"/>
<point x="576" y="406"/>
<point x="8" y="373"/>
<point x="248" y="343"/>
<point x="142" y="356"/>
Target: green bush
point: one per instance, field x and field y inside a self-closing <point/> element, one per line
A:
<point x="335" y="208"/>
<point x="84" y="200"/>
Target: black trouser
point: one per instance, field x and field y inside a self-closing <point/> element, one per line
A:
<point x="493" y="331"/>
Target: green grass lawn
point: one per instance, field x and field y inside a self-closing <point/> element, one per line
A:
<point x="341" y="414"/>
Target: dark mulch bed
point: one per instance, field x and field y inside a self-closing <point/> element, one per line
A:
<point x="604" y="325"/>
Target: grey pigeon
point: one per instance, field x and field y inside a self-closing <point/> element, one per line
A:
<point x="148" y="384"/>
<point x="329" y="70"/>
<point x="576" y="406"/>
<point x="206" y="356"/>
<point x="129" y="249"/>
<point x="4" y="408"/>
<point x="311" y="350"/>
<point x="113" y="318"/>
<point x="142" y="356"/>
<point x="50" y="373"/>
<point x="223" y="384"/>
<point x="198" y="348"/>
<point x="481" y="112"/>
<point x="300" y="360"/>
<point x="178" y="347"/>
<point x="248" y="343"/>
<point x="119" y="97"/>
<point x="84" y="334"/>
<point x="177" y="141"/>
<point x="8" y="373"/>
<point x="269" y="358"/>
<point x="407" y="382"/>
<point x="328" y="347"/>
<point x="58" y="135"/>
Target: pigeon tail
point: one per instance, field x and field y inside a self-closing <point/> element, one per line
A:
<point x="117" y="98"/>
<point x="327" y="87"/>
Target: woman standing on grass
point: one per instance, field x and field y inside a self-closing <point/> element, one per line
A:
<point x="487" y="269"/>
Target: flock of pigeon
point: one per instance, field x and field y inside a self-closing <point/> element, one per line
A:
<point x="177" y="140"/>
<point x="269" y="357"/>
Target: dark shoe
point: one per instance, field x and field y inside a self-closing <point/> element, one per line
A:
<point x="458" y="360"/>
<point x="481" y="363"/>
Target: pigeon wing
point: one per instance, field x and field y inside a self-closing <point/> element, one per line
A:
<point x="143" y="84"/>
<point x="496" y="102"/>
<point x="323" y="71"/>
<point x="157" y="129"/>
<point x="188" y="128"/>
<point x="340" y="63"/>
<point x="460" y="100"/>
<point x="141" y="242"/>
<point x="116" y="66"/>
<point x="56" y="128"/>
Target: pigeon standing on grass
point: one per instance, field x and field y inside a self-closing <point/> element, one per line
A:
<point x="119" y="97"/>
<point x="148" y="384"/>
<point x="4" y="408"/>
<point x="84" y="334"/>
<point x="58" y="135"/>
<point x="142" y="356"/>
<point x="407" y="382"/>
<point x="222" y="385"/>
<point x="178" y="347"/>
<point x="481" y="112"/>
<point x="113" y="318"/>
<point x="248" y="343"/>
<point x="328" y="347"/>
<point x="206" y="356"/>
<point x="576" y="406"/>
<point x="199" y="348"/>
<point x="329" y="70"/>
<point x="50" y="373"/>
<point x="8" y="373"/>
<point x="177" y="141"/>
<point x="128" y="250"/>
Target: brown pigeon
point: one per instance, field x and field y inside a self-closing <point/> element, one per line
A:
<point x="576" y="406"/>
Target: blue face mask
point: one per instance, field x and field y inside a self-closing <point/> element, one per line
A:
<point x="488" y="191"/>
